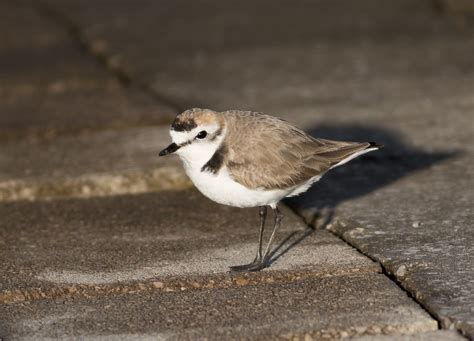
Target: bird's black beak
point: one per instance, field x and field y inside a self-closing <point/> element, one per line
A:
<point x="170" y="149"/>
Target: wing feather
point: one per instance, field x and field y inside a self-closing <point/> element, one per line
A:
<point x="267" y="152"/>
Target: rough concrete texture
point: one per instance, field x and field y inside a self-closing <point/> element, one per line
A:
<point x="89" y="164"/>
<point x="439" y="335"/>
<point x="325" y="307"/>
<point x="424" y="239"/>
<point x="107" y="241"/>
<point x="330" y="61"/>
<point x="155" y="265"/>
<point x="400" y="73"/>
<point x="50" y="87"/>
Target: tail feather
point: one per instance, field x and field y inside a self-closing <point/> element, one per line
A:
<point x="375" y="145"/>
<point x="355" y="151"/>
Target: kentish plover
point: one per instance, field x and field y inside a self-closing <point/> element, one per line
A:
<point x="248" y="159"/>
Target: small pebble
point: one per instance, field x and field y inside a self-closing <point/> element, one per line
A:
<point x="401" y="271"/>
<point x="158" y="285"/>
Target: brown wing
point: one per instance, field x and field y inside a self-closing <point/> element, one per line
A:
<point x="266" y="152"/>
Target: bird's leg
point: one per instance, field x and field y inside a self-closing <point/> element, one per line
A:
<point x="264" y="260"/>
<point x="276" y="225"/>
<point x="257" y="265"/>
<point x="263" y="215"/>
<point x="258" y="258"/>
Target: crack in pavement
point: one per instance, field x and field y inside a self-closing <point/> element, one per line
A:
<point x="173" y="284"/>
<point x="98" y="51"/>
<point x="388" y="274"/>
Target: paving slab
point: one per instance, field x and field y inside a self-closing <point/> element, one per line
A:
<point x="50" y="86"/>
<point x="97" y="163"/>
<point x="423" y="237"/>
<point x="400" y="74"/>
<point x="358" y="71"/>
<point x="326" y="307"/>
<point x="337" y="60"/>
<point x="122" y="239"/>
<point x="17" y="20"/>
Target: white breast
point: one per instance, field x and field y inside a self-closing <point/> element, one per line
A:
<point x="223" y="189"/>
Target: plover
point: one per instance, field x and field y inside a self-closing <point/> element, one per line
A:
<point x="249" y="159"/>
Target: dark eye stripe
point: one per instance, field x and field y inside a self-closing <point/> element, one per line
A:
<point x="183" y="125"/>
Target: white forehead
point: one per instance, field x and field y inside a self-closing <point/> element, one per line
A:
<point x="179" y="137"/>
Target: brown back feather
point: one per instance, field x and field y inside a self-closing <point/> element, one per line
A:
<point x="266" y="152"/>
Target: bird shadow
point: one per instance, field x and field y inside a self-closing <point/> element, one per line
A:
<point x="359" y="177"/>
<point x="293" y="239"/>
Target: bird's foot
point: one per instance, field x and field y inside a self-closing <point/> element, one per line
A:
<point x="256" y="265"/>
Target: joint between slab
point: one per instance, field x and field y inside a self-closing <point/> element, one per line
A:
<point x="346" y="228"/>
<point x="171" y="284"/>
<point x="95" y="185"/>
<point x="98" y="51"/>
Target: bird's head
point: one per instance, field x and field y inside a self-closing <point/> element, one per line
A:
<point x="196" y="134"/>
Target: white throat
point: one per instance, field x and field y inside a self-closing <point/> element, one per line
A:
<point x="197" y="153"/>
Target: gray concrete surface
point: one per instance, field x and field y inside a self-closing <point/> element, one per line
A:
<point x="50" y="87"/>
<point x="439" y="335"/>
<point x="311" y="63"/>
<point x="113" y="270"/>
<point x="401" y="75"/>
<point x="397" y="73"/>
<point x="134" y="238"/>
<point x="425" y="240"/>
<point x="104" y="162"/>
<point x="325" y="307"/>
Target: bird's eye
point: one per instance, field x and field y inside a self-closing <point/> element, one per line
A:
<point x="201" y="135"/>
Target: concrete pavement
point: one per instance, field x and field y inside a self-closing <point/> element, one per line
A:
<point x="154" y="265"/>
<point x="158" y="263"/>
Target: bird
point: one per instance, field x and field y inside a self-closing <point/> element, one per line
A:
<point x="251" y="159"/>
